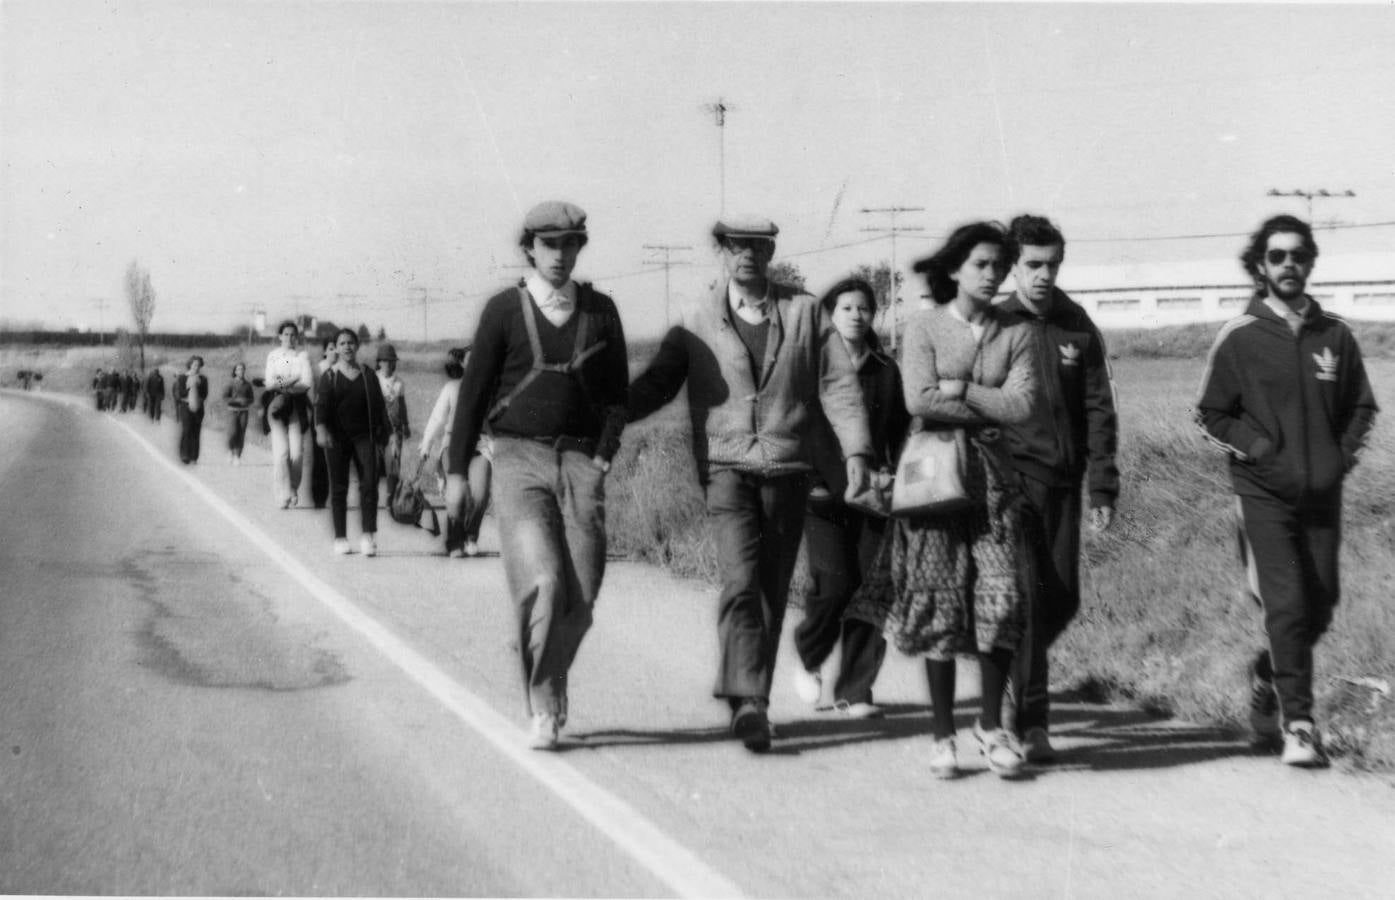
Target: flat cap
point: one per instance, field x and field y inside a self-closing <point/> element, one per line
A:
<point x="745" y="227"/>
<point x="555" y="217"/>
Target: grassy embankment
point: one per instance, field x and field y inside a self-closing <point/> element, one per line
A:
<point x="1164" y="623"/>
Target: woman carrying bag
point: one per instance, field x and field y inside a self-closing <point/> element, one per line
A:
<point x="947" y="582"/>
<point x="351" y="424"/>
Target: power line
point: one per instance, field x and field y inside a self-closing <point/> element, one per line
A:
<point x="893" y="230"/>
<point x="666" y="250"/>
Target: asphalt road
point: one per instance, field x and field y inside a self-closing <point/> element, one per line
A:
<point x="196" y="697"/>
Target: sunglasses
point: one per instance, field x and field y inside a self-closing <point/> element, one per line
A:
<point x="1299" y="256"/>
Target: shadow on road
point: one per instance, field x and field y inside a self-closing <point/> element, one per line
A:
<point x="1087" y="737"/>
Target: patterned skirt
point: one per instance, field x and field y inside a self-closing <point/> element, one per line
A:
<point x="945" y="585"/>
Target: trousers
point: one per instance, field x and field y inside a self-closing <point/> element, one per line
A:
<point x="756" y="522"/>
<point x="550" y="505"/>
<point x="359" y="452"/>
<point x="1291" y="562"/>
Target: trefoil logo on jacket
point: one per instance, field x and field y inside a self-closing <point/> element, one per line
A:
<point x="1070" y="354"/>
<point x="1327" y="364"/>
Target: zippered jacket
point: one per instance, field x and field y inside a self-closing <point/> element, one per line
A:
<point x="1293" y="411"/>
<point x="1073" y="427"/>
<point x="759" y="419"/>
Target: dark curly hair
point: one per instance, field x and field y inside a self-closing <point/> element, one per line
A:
<point x="938" y="266"/>
<point x="1034" y="231"/>
<point x="1253" y="257"/>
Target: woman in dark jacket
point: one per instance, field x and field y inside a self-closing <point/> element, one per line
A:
<point x="237" y="396"/>
<point x="351" y="424"/>
<point x="842" y="540"/>
<point x="190" y="395"/>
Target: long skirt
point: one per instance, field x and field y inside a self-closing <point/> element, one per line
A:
<point x="951" y="584"/>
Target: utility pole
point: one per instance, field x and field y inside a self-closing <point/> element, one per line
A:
<point x="425" y="300"/>
<point x="353" y="307"/>
<point x="720" y="110"/>
<point x="1309" y="195"/>
<point x="666" y="250"/>
<point x="101" y="304"/>
<point x="893" y="290"/>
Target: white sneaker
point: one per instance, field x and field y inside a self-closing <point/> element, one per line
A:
<point x="859" y="710"/>
<point x="543" y="734"/>
<point x="944" y="760"/>
<point x="341" y="547"/>
<point x="1004" y="754"/>
<point x="367" y="545"/>
<point x="472" y="548"/>
<point x="808" y="685"/>
<point x="1303" y="747"/>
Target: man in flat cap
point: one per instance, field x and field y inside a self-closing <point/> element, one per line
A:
<point x="756" y="360"/>
<point x="547" y="378"/>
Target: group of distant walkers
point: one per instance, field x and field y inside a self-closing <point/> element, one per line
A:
<point x="801" y="429"/>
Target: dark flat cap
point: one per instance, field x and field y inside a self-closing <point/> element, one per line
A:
<point x="555" y="217"/>
<point x="745" y="227"/>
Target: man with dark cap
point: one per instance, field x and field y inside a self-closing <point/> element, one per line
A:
<point x="1073" y="429"/>
<point x="546" y="377"/>
<point x="395" y="396"/>
<point x="1285" y="395"/>
<point x="756" y="357"/>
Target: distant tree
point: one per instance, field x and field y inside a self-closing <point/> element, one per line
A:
<point x="363" y="333"/>
<point x="382" y="333"/>
<point x="141" y="296"/>
<point x="786" y="272"/>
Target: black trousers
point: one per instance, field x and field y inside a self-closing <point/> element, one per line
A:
<point x="1051" y="575"/>
<point x="1291" y="557"/>
<point x="363" y="456"/>
<point x="190" y="427"/>
<point x="840" y="543"/>
<point x="319" y="472"/>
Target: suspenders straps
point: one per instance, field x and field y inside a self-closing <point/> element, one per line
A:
<point x="580" y="352"/>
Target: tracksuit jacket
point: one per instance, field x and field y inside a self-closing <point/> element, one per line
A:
<point x="1075" y="425"/>
<point x="1292" y="410"/>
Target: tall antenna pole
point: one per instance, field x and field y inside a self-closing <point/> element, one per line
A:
<point x="720" y="110"/>
<point x="666" y="249"/>
<point x="894" y="288"/>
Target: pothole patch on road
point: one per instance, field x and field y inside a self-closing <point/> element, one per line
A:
<point x="199" y="637"/>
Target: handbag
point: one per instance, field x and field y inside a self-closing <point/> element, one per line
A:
<point x="408" y="504"/>
<point x="930" y="475"/>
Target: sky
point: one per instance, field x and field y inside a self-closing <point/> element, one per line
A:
<point x="372" y="161"/>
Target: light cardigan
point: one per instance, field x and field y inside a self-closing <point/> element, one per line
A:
<point x="1002" y="381"/>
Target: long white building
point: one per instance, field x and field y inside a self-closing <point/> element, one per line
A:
<point x="1151" y="295"/>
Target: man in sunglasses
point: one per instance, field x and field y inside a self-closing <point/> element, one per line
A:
<point x="1285" y="394"/>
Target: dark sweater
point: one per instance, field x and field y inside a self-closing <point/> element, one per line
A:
<point x="588" y="403"/>
<point x="887" y="419"/>
<point x="1291" y="410"/>
<point x="1073" y="425"/>
<point x="352" y="407"/>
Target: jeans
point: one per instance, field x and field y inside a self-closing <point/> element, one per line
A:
<point x="237" y="431"/>
<point x="287" y="440"/>
<point x="551" y="510"/>
<point x="364" y="456"/>
<point x="756" y="522"/>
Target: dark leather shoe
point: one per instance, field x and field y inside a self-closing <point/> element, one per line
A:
<point x="751" y="726"/>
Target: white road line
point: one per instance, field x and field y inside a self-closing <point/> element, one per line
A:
<point x="666" y="859"/>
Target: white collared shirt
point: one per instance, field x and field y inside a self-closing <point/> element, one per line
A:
<point x="752" y="310"/>
<point x="976" y="328"/>
<point x="557" y="304"/>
